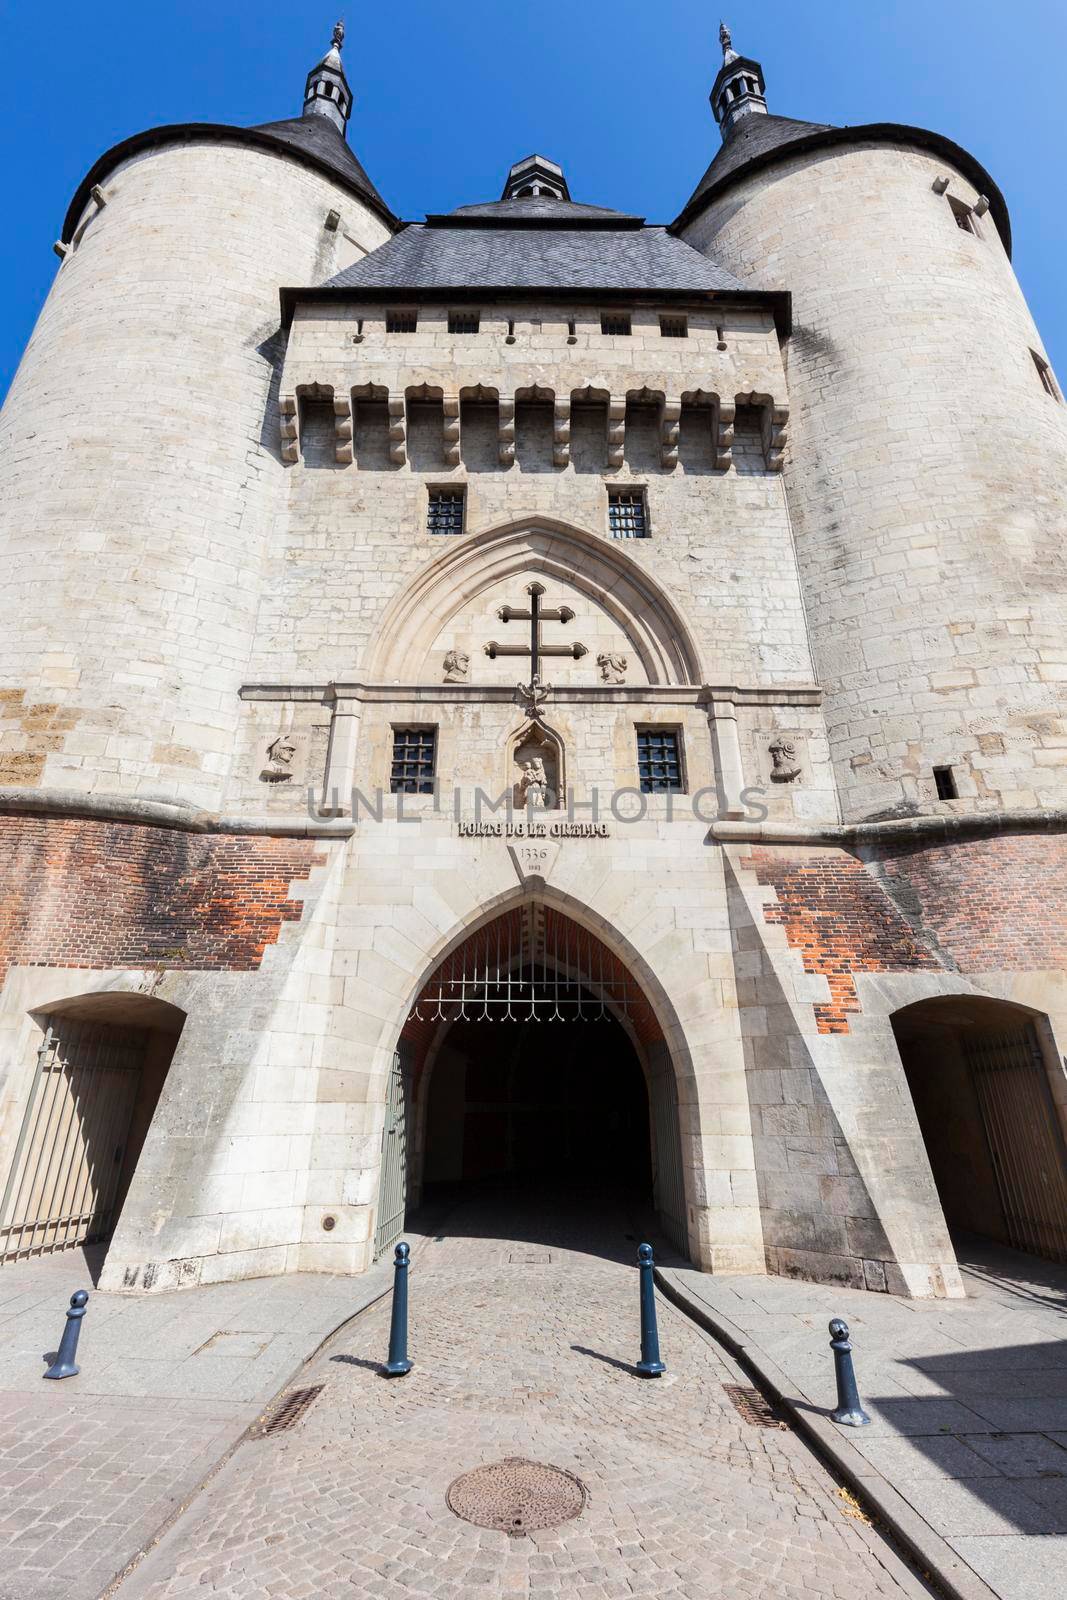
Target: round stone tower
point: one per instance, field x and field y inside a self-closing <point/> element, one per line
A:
<point x="139" y="464"/>
<point x="927" y="474"/>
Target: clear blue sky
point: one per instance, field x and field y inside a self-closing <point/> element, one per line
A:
<point x="448" y="95"/>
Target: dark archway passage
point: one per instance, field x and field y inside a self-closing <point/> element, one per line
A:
<point x="534" y="1103"/>
<point x="980" y="1087"/>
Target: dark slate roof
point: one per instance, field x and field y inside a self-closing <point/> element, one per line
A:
<point x="758" y="141"/>
<point x="314" y="141"/>
<point x="317" y="137"/>
<point x="437" y="256"/>
<point x="543" y="208"/>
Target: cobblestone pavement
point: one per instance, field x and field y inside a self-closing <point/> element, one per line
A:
<point x="522" y="1348"/>
<point x="90" y="1468"/>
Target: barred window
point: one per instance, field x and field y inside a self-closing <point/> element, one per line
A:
<point x="659" y="763"/>
<point x="401" y="321"/>
<point x="963" y="216"/>
<point x="627" y="514"/>
<point x="445" y="511"/>
<point x="414" y="761"/>
<point x="464" y="321"/>
<point x="615" y="322"/>
<point x="674" y="327"/>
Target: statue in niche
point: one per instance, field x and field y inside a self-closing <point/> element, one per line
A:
<point x="457" y="665"/>
<point x="612" y="667"/>
<point x="281" y="753"/>
<point x="533" y="785"/>
<point x="785" y="764"/>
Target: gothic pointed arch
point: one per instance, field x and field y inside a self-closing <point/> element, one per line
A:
<point x="612" y="580"/>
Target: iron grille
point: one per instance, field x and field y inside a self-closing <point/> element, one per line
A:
<point x="286" y="1412"/>
<point x="627" y="516"/>
<point x="414" y="760"/>
<point x="674" y="327"/>
<point x="401" y="321"/>
<point x="753" y="1407"/>
<point x="533" y="965"/>
<point x="464" y="321"/>
<point x="659" y="763"/>
<point x="616" y="324"/>
<point x="445" y="513"/>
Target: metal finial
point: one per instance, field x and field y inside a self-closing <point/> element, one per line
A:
<point x="728" y="52"/>
<point x="338" y="35"/>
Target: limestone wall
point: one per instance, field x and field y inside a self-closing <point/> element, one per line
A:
<point x="139" y="468"/>
<point x="926" y="474"/>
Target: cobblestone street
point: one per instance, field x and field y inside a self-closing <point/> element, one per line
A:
<point x="523" y="1347"/>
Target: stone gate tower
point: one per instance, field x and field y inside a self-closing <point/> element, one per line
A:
<point x="532" y="693"/>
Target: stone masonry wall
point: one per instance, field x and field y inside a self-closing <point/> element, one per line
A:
<point x="139" y="468"/>
<point x="926" y="474"/>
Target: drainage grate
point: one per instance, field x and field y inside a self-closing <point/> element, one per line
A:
<point x="753" y="1406"/>
<point x="516" y="1496"/>
<point x="288" y="1411"/>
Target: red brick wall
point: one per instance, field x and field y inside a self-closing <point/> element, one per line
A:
<point x="976" y="905"/>
<point x="79" y="893"/>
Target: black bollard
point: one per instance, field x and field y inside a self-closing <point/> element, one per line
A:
<point x="650" y="1365"/>
<point x="849" y="1411"/>
<point x="398" y="1362"/>
<point x="65" y="1366"/>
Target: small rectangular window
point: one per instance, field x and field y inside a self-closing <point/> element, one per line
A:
<point x="401" y="321"/>
<point x="414" y="761"/>
<point x="445" y="511"/>
<point x="964" y="216"/>
<point x="674" y="327"/>
<point x="945" y="783"/>
<point x="616" y="323"/>
<point x="659" y="761"/>
<point x="464" y="321"/>
<point x="1044" y="372"/>
<point x="627" y="514"/>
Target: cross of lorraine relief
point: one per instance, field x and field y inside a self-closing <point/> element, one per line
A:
<point x="534" y="694"/>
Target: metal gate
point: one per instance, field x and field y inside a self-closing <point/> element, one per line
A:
<point x="65" y="1175"/>
<point x="669" y="1181"/>
<point x="393" y="1181"/>
<point x="1025" y="1139"/>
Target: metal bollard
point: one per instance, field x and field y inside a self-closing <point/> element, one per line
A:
<point x="650" y="1365"/>
<point x="849" y="1411"/>
<point x="65" y="1366"/>
<point x="398" y="1362"/>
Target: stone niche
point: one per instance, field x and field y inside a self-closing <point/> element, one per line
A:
<point x="536" y="769"/>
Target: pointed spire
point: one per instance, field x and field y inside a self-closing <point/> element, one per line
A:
<point x="738" y="90"/>
<point x="326" y="93"/>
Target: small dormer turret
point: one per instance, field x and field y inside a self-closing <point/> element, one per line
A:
<point x="738" y="90"/>
<point x="326" y="93"/>
<point x="533" y="177"/>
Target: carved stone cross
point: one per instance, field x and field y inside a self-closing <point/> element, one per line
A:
<point x="535" y="616"/>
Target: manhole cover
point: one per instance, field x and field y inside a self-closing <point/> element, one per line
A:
<point x="517" y="1496"/>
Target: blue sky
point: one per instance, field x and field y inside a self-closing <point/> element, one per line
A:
<point x="448" y="95"/>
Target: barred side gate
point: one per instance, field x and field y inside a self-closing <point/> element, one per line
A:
<point x="67" y="1168"/>
<point x="1025" y="1139"/>
<point x="393" y="1183"/>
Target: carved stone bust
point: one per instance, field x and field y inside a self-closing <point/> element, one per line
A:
<point x="281" y="753"/>
<point x="457" y="665"/>
<point x="612" y="667"/>
<point x="785" y="763"/>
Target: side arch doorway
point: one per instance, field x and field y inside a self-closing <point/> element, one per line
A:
<point x="992" y="1124"/>
<point x="533" y="1063"/>
<point x="91" y="1089"/>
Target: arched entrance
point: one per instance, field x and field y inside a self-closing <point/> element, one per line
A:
<point x="99" y="1064"/>
<point x="980" y="1085"/>
<point x="533" y="1061"/>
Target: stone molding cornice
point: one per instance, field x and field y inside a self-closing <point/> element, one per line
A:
<point x="691" y="694"/>
<point x="69" y="803"/>
<point x="904" y="830"/>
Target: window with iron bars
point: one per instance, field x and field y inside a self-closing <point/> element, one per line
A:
<point x="627" y="514"/>
<point x="414" y="761"/>
<point x="659" y="761"/>
<point x="444" y="513"/>
<point x="464" y="321"/>
<point x="401" y="321"/>
<point x="674" y="327"/>
<point x="615" y="322"/>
